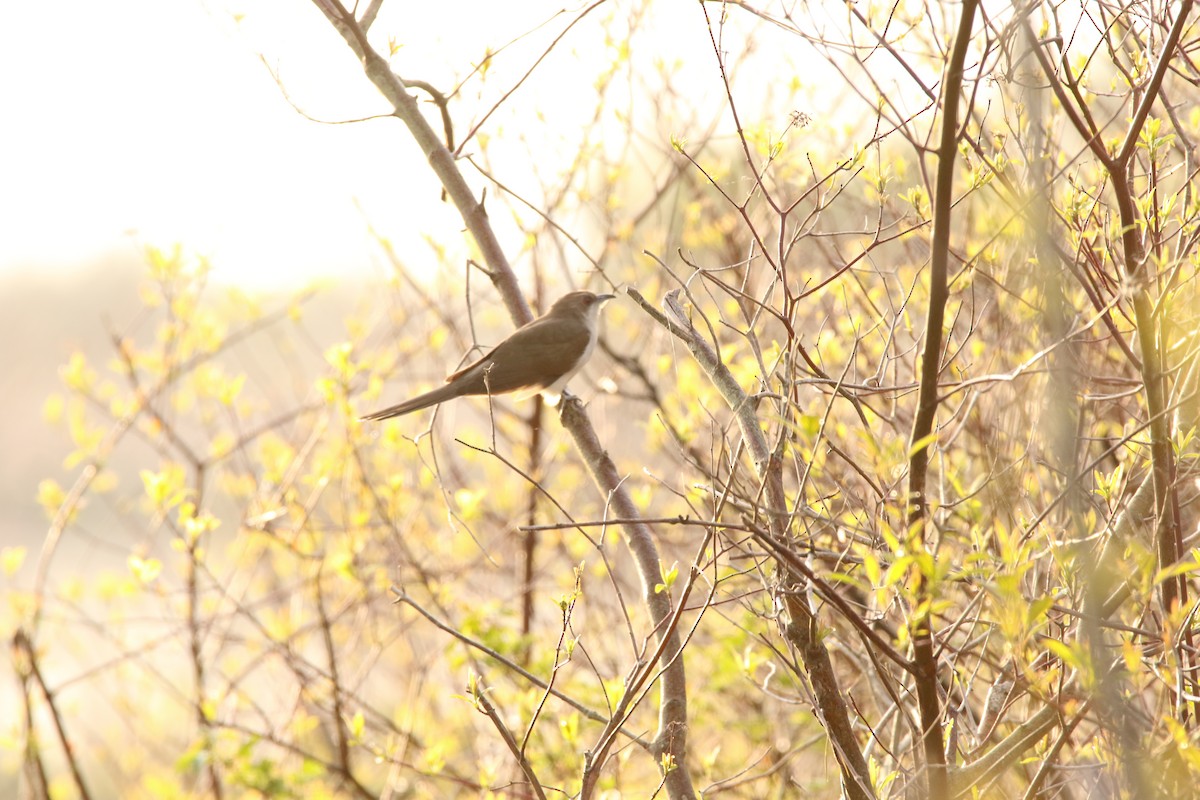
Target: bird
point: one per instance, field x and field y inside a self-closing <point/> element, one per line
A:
<point x="537" y="358"/>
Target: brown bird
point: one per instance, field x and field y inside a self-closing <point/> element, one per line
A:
<point x="539" y="357"/>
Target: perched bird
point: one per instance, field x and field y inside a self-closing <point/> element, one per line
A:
<point x="539" y="357"/>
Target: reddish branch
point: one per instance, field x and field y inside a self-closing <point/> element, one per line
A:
<point x="927" y="406"/>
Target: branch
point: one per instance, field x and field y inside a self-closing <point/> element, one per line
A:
<point x="671" y="737"/>
<point x="927" y="405"/>
<point x="978" y="774"/>
<point x="478" y="693"/>
<point x="802" y="632"/>
<point x="594" y="716"/>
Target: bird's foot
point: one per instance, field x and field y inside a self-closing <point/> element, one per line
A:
<point x="564" y="399"/>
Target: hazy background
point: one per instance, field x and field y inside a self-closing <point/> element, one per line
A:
<point x="148" y="123"/>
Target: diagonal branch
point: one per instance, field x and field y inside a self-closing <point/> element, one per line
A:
<point x="671" y="737"/>
<point x="802" y="631"/>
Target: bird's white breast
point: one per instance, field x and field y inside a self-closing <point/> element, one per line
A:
<point x="592" y="320"/>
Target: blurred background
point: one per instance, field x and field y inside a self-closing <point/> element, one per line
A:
<point x="149" y="124"/>
<point x="233" y="150"/>
<point x="217" y="252"/>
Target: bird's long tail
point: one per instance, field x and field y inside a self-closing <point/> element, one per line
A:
<point x="438" y="395"/>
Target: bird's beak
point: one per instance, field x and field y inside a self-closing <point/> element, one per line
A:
<point x="604" y="298"/>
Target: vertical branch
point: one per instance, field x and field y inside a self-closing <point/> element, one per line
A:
<point x="338" y="712"/>
<point x="1062" y="406"/>
<point x="529" y="541"/>
<point x="927" y="405"/>
<point x="1168" y="533"/>
<point x="1168" y="536"/>
<point x="196" y="638"/>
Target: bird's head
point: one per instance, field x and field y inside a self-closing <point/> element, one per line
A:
<point x="583" y="304"/>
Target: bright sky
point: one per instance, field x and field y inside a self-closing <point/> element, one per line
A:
<point x="149" y="122"/>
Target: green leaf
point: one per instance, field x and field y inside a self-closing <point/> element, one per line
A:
<point x="668" y="578"/>
<point x="922" y="443"/>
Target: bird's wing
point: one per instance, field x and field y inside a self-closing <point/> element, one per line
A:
<point x="546" y="340"/>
